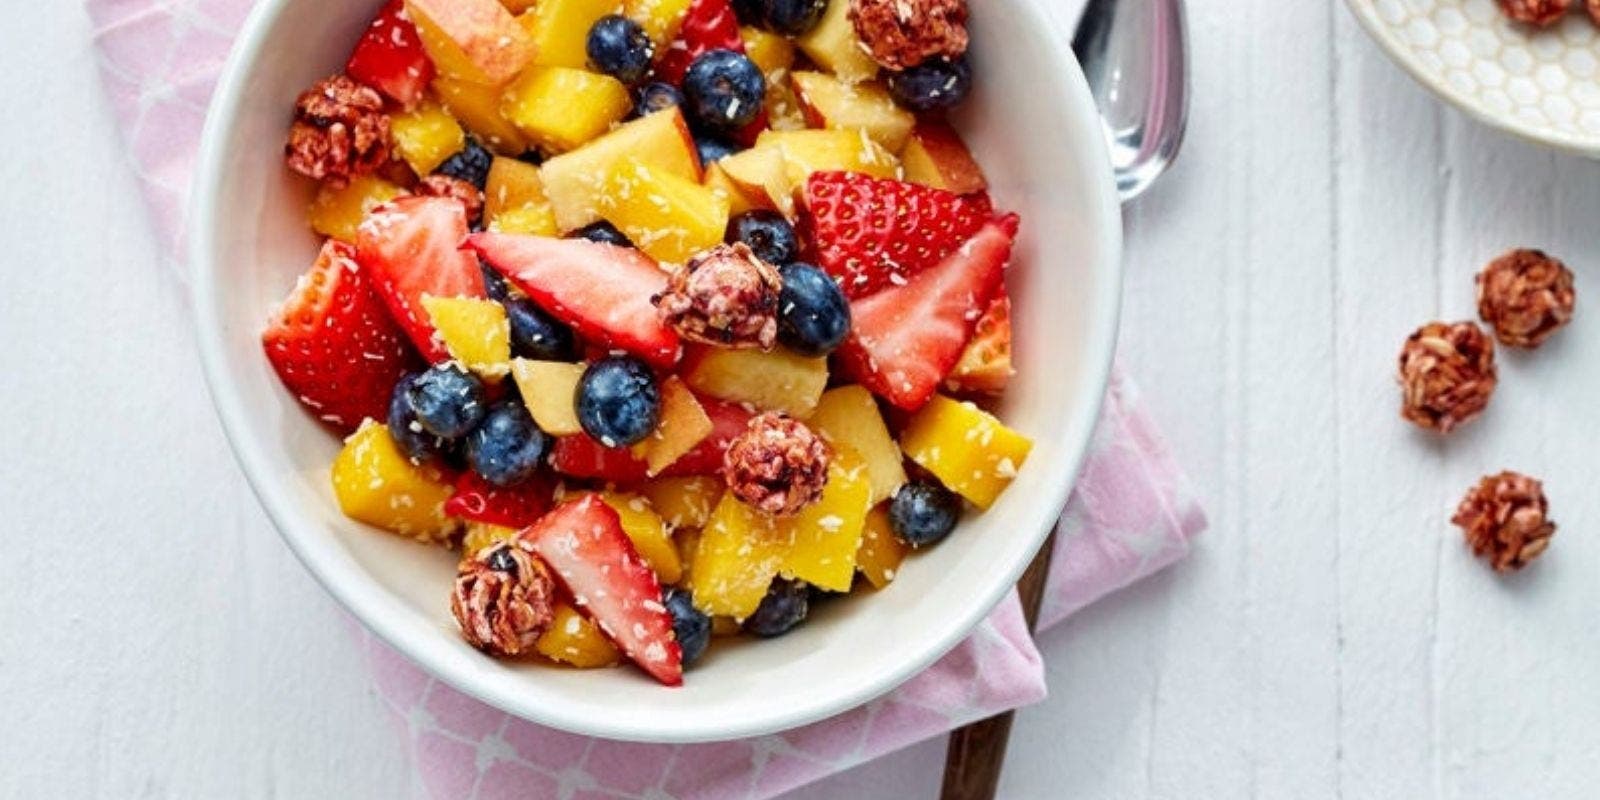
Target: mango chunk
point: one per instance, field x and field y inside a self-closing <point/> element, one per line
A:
<point x="559" y="30"/>
<point x="808" y="151"/>
<point x="771" y="52"/>
<point x="337" y="212"/>
<point x="475" y="331"/>
<point x="648" y="532"/>
<point x="669" y="217"/>
<point x="661" y="19"/>
<point x="376" y="484"/>
<point x="483" y="534"/>
<point x="966" y="448"/>
<point x="574" y="640"/>
<point x="772" y="381"/>
<point x="687" y="541"/>
<point x="683" y="425"/>
<point x="575" y="181"/>
<point x="824" y="536"/>
<point x="425" y="136"/>
<point x="738" y="202"/>
<point x="881" y="551"/>
<point x="477" y="107"/>
<point x="561" y="108"/>
<point x="684" y="502"/>
<point x="849" y="416"/>
<point x="514" y="199"/>
<point x="739" y="555"/>
<point x="549" y="390"/>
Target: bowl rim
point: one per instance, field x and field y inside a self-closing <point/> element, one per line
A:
<point x="385" y="616"/>
<point x="1366" y="14"/>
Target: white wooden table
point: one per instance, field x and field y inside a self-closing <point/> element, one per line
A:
<point x="1329" y="637"/>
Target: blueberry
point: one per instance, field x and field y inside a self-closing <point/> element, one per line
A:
<point x="619" y="47"/>
<point x="768" y="234"/>
<point x="604" y="232"/>
<point x="792" y="17"/>
<point x="813" y="316"/>
<point x="447" y="400"/>
<point x="494" y="284"/>
<point x="690" y="624"/>
<point x="724" y="90"/>
<point x="618" y="401"/>
<point x="407" y="432"/>
<point x="785" y="606"/>
<point x="501" y="560"/>
<point x="922" y="513"/>
<point x="656" y="96"/>
<point x="507" y="448"/>
<point x="537" y="335"/>
<point x="932" y="85"/>
<point x="471" y="164"/>
<point x="712" y="150"/>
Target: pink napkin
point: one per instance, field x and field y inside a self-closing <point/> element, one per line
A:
<point x="1131" y="514"/>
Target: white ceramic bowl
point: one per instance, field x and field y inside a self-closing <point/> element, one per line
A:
<point x="1033" y="126"/>
<point x="1540" y="84"/>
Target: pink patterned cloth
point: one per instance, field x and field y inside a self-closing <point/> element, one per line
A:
<point x="1131" y="514"/>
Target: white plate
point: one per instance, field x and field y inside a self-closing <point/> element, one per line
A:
<point x="1032" y="125"/>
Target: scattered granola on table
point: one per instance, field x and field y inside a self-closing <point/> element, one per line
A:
<point x="1506" y="518"/>
<point x="778" y="465"/>
<point x="904" y="33"/>
<point x="1538" y="12"/>
<point x="339" y="131"/>
<point x="1447" y="374"/>
<point x="502" y="599"/>
<point x="1525" y="296"/>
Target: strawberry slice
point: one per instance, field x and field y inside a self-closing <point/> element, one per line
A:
<point x="601" y="290"/>
<point x="580" y="456"/>
<point x="410" y="247"/>
<point x="333" y="344"/>
<point x="985" y="366"/>
<point x="583" y="542"/>
<point x="390" y="57"/>
<point x="478" y="500"/>
<point x="708" y="25"/>
<point x="905" y="339"/>
<point x="871" y="232"/>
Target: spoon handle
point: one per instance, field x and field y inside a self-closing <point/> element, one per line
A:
<point x="977" y="750"/>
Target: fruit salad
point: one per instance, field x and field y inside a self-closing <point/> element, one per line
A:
<point x="674" y="317"/>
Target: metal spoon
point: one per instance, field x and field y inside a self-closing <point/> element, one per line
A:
<point x="1135" y="56"/>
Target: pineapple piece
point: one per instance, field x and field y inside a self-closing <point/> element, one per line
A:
<point x="762" y="174"/>
<point x="771" y="52"/>
<point x="477" y="107"/>
<point x="835" y="47"/>
<point x="771" y="381"/>
<point x="575" y="640"/>
<point x="805" y="152"/>
<point x="881" y="551"/>
<point x="561" y="108"/>
<point x="965" y="447"/>
<point x="738" y="202"/>
<point x="549" y="389"/>
<point x="471" y="40"/>
<point x="375" y="483"/>
<point x="426" y="136"/>
<point x="670" y="218"/>
<point x="849" y="416"/>
<point x="514" y="201"/>
<point x="483" y="534"/>
<point x="739" y="555"/>
<point x="560" y="29"/>
<point x="824" y="536"/>
<point x="475" y="332"/>
<point x="661" y="19"/>
<point x="684" y="502"/>
<point x="683" y="425"/>
<point x="337" y="212"/>
<point x="935" y="156"/>
<point x="575" y="181"/>
<point x="831" y="103"/>
<point x="648" y="533"/>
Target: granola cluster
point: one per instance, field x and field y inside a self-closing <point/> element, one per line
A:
<point x="1525" y="296"/>
<point x="778" y="465"/>
<point x="904" y="33"/>
<point x="1536" y="12"/>
<point x="1594" y="10"/>
<point x="1447" y="374"/>
<point x="725" y="296"/>
<point x="1506" y="518"/>
<point x="446" y="186"/>
<point x="502" y="599"/>
<point x="339" y="131"/>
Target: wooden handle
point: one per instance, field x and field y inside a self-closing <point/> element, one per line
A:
<point x="976" y="752"/>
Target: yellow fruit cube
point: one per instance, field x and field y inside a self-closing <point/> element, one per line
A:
<point x="426" y="136"/>
<point x="739" y="554"/>
<point x="771" y="381"/>
<point x="375" y="483"/>
<point x="832" y="103"/>
<point x="648" y="533"/>
<point x="337" y="212"/>
<point x="575" y="181"/>
<point x="687" y="542"/>
<point x="966" y="448"/>
<point x="849" y="416"/>
<point x="805" y="152"/>
<point x="530" y="220"/>
<point x="471" y="40"/>
<point x="549" y="389"/>
<point x="670" y="218"/>
<point x="560" y="29"/>
<point x="477" y="107"/>
<point x="738" y="202"/>
<point x="725" y="626"/>
<point x="881" y="551"/>
<point x="575" y="640"/>
<point x="784" y="112"/>
<point x="684" y="502"/>
<point x="771" y="52"/>
<point x="824" y="536"/>
<point x="763" y="175"/>
<point x="683" y="425"/>
<point x="835" y="47"/>
<point x="514" y="201"/>
<point x="660" y="19"/>
<point x="561" y="108"/>
<point x="475" y="331"/>
<point x="483" y="534"/>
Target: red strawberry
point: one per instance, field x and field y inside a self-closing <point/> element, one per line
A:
<point x="390" y="57"/>
<point x="333" y="343"/>
<point x="870" y="232"/>
<point x="410" y="247"/>
<point x="708" y="25"/>
<point x="580" y="456"/>
<point x="985" y="365"/>
<point x="478" y="500"/>
<point x="905" y="339"/>
<point x="583" y="542"/>
<point x="602" y="290"/>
